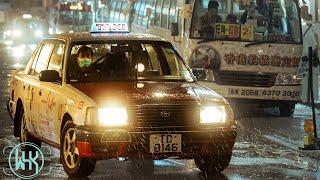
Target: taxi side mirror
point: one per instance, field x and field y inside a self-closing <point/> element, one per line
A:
<point x="203" y="74"/>
<point x="199" y="73"/>
<point x="49" y="76"/>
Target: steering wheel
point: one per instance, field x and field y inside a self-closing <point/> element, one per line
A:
<point x="90" y="75"/>
<point x="99" y="60"/>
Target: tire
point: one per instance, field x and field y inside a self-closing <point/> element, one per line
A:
<point x="24" y="136"/>
<point x="73" y="165"/>
<point x="212" y="165"/>
<point x="286" y="109"/>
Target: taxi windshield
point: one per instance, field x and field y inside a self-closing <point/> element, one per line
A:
<point x="257" y="20"/>
<point x="123" y="61"/>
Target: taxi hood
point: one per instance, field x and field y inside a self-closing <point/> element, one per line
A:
<point x="132" y="93"/>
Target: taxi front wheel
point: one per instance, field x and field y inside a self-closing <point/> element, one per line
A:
<point x="212" y="164"/>
<point x="73" y="164"/>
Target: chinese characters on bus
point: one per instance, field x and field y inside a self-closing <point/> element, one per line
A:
<point x="262" y="60"/>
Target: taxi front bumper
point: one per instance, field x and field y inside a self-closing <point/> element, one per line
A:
<point x="105" y="144"/>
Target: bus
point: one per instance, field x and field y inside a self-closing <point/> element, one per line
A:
<point x="249" y="53"/>
<point x="71" y="17"/>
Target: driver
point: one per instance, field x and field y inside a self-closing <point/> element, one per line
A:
<point x="207" y="21"/>
<point x="81" y="62"/>
<point x="84" y="58"/>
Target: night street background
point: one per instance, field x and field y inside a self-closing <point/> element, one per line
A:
<point x="266" y="146"/>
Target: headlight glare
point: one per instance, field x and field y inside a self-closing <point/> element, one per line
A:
<point x="8" y="33"/>
<point x="38" y="33"/>
<point x="288" y="79"/>
<point x="213" y="114"/>
<point x="113" y="116"/>
<point x="16" y="33"/>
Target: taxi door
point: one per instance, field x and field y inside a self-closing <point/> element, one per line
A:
<point x="41" y="64"/>
<point x="33" y="85"/>
<point x="30" y="86"/>
<point x="51" y="96"/>
<point x="30" y="83"/>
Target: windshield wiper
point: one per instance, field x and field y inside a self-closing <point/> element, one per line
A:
<point x="256" y="43"/>
<point x="162" y="79"/>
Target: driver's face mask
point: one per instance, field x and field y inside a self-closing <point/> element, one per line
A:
<point x="84" y="59"/>
<point x="84" y="62"/>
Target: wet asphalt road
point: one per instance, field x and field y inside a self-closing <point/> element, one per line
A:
<point x="267" y="147"/>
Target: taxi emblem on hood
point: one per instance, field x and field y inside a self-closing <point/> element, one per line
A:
<point x="165" y="114"/>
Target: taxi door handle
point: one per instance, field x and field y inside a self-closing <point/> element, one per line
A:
<point x="26" y="85"/>
<point x="40" y="92"/>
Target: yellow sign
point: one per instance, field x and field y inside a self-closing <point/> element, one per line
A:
<point x="247" y="32"/>
<point x="231" y="31"/>
<point x="187" y="11"/>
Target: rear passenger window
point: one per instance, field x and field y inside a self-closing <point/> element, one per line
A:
<point x="55" y="62"/>
<point x="155" y="63"/>
<point x="43" y="58"/>
<point x="34" y="60"/>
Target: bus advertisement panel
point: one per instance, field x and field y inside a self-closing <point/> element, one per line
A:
<point x="246" y="50"/>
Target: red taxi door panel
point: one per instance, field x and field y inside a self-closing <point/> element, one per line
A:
<point x="51" y="97"/>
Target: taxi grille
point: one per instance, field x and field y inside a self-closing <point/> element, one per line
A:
<point x="159" y="116"/>
<point x="245" y="78"/>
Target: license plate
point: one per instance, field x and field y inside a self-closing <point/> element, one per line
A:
<point x="165" y="143"/>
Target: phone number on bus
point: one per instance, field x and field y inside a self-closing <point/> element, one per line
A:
<point x="274" y="93"/>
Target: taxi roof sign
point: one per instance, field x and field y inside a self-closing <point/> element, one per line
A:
<point x="109" y="28"/>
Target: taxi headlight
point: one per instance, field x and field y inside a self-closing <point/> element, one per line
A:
<point x="112" y="116"/>
<point x="288" y="79"/>
<point x="213" y="114"/>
